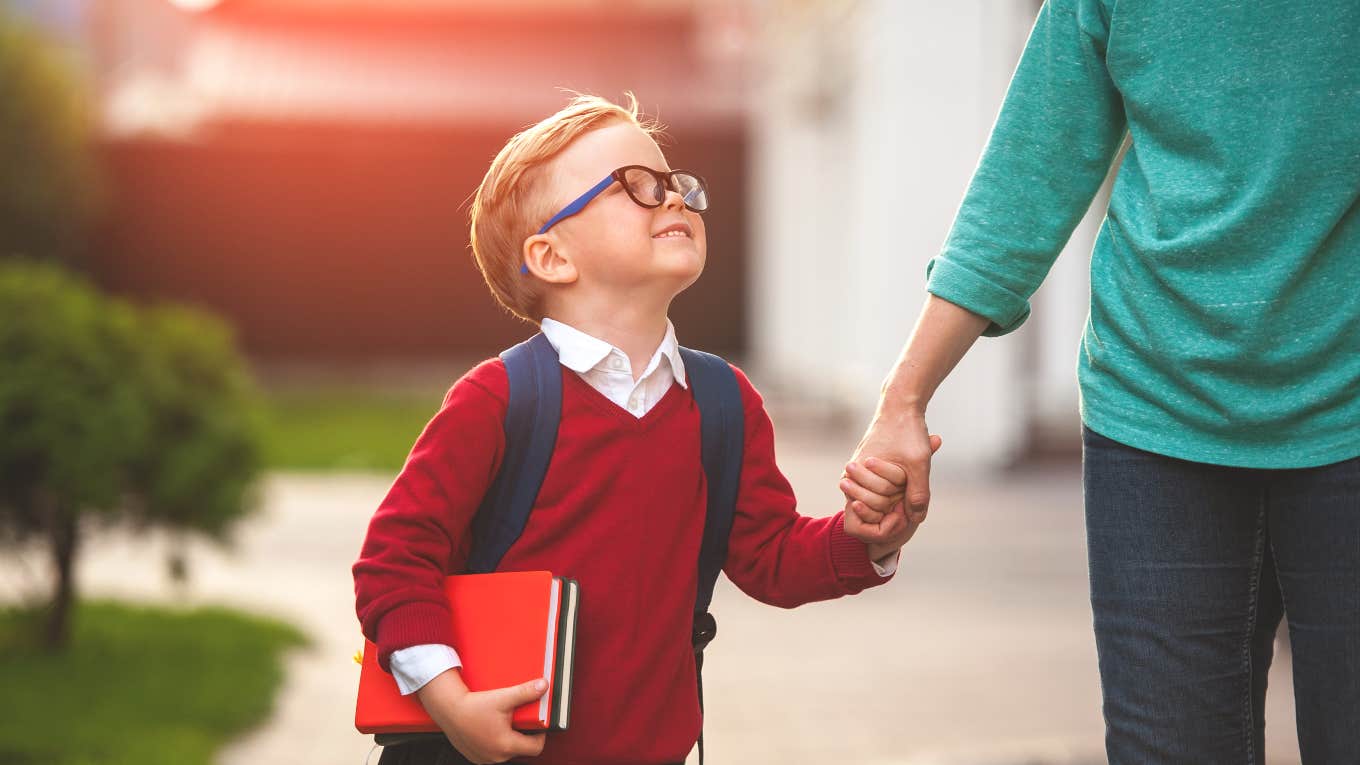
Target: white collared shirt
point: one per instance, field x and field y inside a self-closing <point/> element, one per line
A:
<point x="608" y="370"/>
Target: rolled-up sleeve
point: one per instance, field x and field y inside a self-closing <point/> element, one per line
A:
<point x="1054" y="140"/>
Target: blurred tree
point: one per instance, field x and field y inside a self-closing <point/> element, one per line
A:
<point x="73" y="418"/>
<point x="205" y="428"/>
<point x="117" y="414"/>
<point x="48" y="188"/>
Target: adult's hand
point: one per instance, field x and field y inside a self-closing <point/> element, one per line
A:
<point x="904" y="442"/>
<point x="902" y="439"/>
<point x="943" y="334"/>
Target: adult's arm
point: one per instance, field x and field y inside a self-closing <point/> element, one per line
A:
<point x="1058" y="131"/>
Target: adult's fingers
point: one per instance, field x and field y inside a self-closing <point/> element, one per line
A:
<point x="918" y="479"/>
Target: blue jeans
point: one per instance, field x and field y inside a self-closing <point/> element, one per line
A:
<point x="1192" y="566"/>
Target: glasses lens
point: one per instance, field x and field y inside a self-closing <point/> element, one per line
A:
<point x="691" y="189"/>
<point x="644" y="187"/>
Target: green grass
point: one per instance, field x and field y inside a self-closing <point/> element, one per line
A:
<point x="137" y="685"/>
<point x="338" y="428"/>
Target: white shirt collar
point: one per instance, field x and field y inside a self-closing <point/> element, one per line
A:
<point x="581" y="352"/>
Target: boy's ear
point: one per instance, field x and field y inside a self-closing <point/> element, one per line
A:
<point x="545" y="261"/>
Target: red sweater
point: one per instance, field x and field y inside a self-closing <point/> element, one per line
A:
<point x="621" y="510"/>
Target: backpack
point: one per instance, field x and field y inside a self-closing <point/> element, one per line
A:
<point x="531" y="420"/>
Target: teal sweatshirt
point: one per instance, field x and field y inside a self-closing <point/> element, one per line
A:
<point x="1225" y="281"/>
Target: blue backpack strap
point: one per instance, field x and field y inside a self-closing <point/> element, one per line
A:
<point x="722" y="433"/>
<point x="531" y="418"/>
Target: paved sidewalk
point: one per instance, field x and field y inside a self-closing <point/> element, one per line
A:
<point x="980" y="653"/>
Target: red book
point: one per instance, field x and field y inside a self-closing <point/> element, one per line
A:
<point x="508" y="628"/>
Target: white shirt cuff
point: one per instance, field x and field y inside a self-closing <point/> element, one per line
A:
<point x="415" y="666"/>
<point x="885" y="570"/>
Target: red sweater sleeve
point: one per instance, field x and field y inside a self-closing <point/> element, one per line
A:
<point x="774" y="554"/>
<point x="419" y="532"/>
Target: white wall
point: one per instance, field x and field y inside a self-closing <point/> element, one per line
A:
<point x="869" y="122"/>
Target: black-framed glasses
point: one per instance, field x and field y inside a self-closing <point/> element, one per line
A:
<point x="646" y="187"/>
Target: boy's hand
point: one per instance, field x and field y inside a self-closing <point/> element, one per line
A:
<point x="875" y="509"/>
<point x="877" y="484"/>
<point x="478" y="724"/>
<point x="874" y="494"/>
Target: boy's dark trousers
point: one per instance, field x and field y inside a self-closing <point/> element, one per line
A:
<point x="430" y="750"/>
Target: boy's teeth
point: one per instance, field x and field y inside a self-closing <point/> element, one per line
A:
<point x="670" y="233"/>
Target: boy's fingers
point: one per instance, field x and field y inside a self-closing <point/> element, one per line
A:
<point x="868" y="479"/>
<point x="853" y="491"/>
<point x="893" y="473"/>
<point x="866" y="514"/>
<point x="518" y="695"/>
<point x="880" y="531"/>
<point x="856" y="527"/>
<point x="852" y="520"/>
<point x="890" y="526"/>
<point x="526" y="745"/>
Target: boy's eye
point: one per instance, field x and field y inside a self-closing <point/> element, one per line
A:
<point x="642" y="185"/>
<point x="643" y="188"/>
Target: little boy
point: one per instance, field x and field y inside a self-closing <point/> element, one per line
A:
<point x="622" y="506"/>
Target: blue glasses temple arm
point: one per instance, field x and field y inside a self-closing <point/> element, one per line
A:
<point x="577" y="205"/>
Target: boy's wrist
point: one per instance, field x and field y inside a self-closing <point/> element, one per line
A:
<point x="882" y="553"/>
<point x="443" y="699"/>
<point x="447" y="688"/>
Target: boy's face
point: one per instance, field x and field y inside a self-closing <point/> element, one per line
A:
<point x="615" y="244"/>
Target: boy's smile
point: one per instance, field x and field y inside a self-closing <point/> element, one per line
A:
<point x="675" y="230"/>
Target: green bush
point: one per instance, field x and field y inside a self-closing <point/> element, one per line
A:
<point x="204" y="405"/>
<point x="115" y="412"/>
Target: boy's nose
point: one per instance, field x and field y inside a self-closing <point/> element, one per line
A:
<point x="673" y="200"/>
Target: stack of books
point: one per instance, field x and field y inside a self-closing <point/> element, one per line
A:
<point x="508" y="628"/>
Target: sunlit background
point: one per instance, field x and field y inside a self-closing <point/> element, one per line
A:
<point x="300" y="169"/>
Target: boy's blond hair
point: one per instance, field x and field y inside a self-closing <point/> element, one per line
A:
<point x="510" y="205"/>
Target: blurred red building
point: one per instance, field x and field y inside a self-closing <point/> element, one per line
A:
<point x="302" y="167"/>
